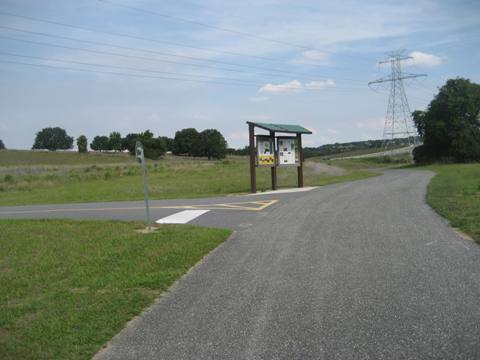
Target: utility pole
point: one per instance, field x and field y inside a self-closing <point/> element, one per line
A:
<point x="398" y="122"/>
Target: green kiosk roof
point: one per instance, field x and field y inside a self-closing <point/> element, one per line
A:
<point x="284" y="128"/>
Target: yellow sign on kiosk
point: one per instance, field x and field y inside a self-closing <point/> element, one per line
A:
<point x="265" y="151"/>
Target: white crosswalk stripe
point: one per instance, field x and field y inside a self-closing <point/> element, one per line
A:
<point x="181" y="217"/>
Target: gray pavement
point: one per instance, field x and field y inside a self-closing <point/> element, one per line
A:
<point x="361" y="270"/>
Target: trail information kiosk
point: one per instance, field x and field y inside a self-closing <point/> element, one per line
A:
<point x="273" y="151"/>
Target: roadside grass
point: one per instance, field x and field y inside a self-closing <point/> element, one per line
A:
<point x="67" y="287"/>
<point x="168" y="178"/>
<point x="455" y="194"/>
<point x="28" y="157"/>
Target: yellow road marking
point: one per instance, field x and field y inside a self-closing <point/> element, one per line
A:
<point x="258" y="206"/>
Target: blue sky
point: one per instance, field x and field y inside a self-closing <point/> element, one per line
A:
<point x="290" y="61"/>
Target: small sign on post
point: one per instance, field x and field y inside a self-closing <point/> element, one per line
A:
<point x="141" y="160"/>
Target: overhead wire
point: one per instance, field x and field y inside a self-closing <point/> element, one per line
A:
<point x="134" y="37"/>
<point x="213" y="27"/>
<point x="302" y="88"/>
<point x="142" y="38"/>
<point x="198" y="23"/>
<point x="162" y="53"/>
<point x="124" y="67"/>
<point x="102" y="52"/>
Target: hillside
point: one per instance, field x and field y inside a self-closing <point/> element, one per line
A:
<point x="352" y="148"/>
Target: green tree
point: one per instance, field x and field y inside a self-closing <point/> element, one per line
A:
<point x="168" y="142"/>
<point x="2" y="145"/>
<point x="53" y="139"/>
<point x="450" y="127"/>
<point x="210" y="143"/>
<point x="82" y="144"/>
<point x="153" y="147"/>
<point x="115" y="141"/>
<point x="100" y="143"/>
<point x="184" y="141"/>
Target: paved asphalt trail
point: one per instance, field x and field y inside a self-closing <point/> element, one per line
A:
<point x="361" y="270"/>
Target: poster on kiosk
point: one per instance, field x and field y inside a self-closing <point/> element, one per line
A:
<point x="287" y="151"/>
<point x="265" y="151"/>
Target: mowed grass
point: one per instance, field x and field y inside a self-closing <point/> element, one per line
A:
<point x="169" y="177"/>
<point x="67" y="287"/>
<point x="455" y="194"/>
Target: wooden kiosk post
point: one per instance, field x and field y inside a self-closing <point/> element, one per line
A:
<point x="253" y="170"/>
<point x="273" y="169"/>
<point x="269" y="154"/>
<point x="300" y="156"/>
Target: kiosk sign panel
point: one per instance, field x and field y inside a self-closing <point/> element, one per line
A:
<point x="287" y="151"/>
<point x="265" y="151"/>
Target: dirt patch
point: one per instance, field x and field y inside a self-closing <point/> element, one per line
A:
<point x="325" y="169"/>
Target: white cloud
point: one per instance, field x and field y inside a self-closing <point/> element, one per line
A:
<point x="296" y="86"/>
<point x="332" y="131"/>
<point x="319" y="85"/>
<point x="425" y="59"/>
<point x="288" y="87"/>
<point x="315" y="55"/>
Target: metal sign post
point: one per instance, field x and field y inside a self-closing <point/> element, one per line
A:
<point x="141" y="159"/>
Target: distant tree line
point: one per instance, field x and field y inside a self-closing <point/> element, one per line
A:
<point x="2" y="145"/>
<point x="209" y="143"/>
<point x="243" y="151"/>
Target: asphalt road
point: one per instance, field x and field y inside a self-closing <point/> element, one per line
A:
<point x="361" y="270"/>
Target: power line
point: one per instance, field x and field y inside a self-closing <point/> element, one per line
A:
<point x="102" y="52"/>
<point x="214" y="27"/>
<point x="156" y="52"/>
<point x="198" y="23"/>
<point x="161" y="77"/>
<point x="125" y="68"/>
<point x="118" y="73"/>
<point x="135" y="37"/>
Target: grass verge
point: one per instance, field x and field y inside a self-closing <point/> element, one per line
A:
<point x="168" y="178"/>
<point x="455" y="194"/>
<point x="67" y="286"/>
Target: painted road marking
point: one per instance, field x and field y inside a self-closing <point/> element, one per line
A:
<point x="246" y="206"/>
<point x="285" y="191"/>
<point x="181" y="217"/>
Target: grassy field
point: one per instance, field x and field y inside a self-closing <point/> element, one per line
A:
<point x="27" y="157"/>
<point x="362" y="152"/>
<point x="67" y="287"/>
<point x="71" y="177"/>
<point x="455" y="194"/>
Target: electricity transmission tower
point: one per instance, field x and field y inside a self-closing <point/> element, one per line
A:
<point x="398" y="122"/>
